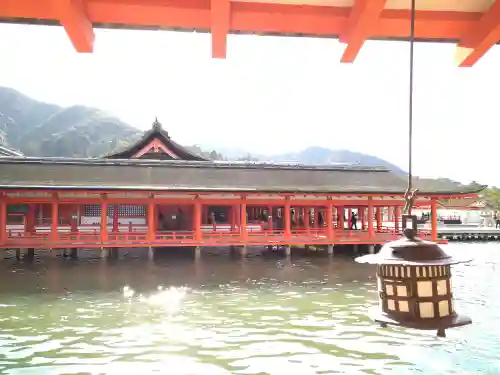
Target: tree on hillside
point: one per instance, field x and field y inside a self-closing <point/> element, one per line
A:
<point x="247" y="157"/>
<point x="214" y="155"/>
<point x="491" y="196"/>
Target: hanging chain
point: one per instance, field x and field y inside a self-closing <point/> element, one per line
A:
<point x="410" y="193"/>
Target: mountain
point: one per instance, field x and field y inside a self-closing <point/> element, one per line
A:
<point x="41" y="129"/>
<point x="321" y="155"/>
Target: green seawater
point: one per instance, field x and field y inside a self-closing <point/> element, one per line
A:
<point x="231" y="316"/>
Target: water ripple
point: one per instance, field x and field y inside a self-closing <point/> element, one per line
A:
<point x="251" y="318"/>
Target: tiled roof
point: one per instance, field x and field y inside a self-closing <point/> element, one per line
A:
<point x="178" y="175"/>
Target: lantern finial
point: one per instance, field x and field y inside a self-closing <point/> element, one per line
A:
<point x="410" y="234"/>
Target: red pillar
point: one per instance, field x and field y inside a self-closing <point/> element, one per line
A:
<point x="371" y="230"/>
<point x="362" y="217"/>
<point x="397" y="214"/>
<point x="30" y="219"/>
<point x="104" y="221"/>
<point x="316" y="218"/>
<point x="329" y="221"/>
<point x="151" y="221"/>
<point x="237" y="215"/>
<point x="3" y="220"/>
<point x="243" y="220"/>
<point x="54" y="231"/>
<point x="379" y="218"/>
<point x="287" y="218"/>
<point x="197" y="219"/>
<point x="115" y="218"/>
<point x="232" y="219"/>
<point x="307" y="217"/>
<point x="434" y="220"/>
<point x="349" y="215"/>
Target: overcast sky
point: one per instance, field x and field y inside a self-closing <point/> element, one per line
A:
<point x="273" y="94"/>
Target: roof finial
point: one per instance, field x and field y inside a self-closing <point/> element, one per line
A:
<point x="156" y="124"/>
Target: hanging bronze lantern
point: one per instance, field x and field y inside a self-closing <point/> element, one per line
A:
<point x="414" y="284"/>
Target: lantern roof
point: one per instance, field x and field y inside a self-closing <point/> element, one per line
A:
<point x="413" y="251"/>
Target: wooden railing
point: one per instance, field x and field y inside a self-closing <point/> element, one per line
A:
<point x="17" y="238"/>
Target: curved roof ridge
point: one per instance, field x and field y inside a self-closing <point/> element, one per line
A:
<point x="157" y="132"/>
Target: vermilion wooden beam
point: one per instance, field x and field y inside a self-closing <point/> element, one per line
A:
<point x="250" y="17"/>
<point x="220" y="11"/>
<point x="479" y="39"/>
<point x="221" y="202"/>
<point x="72" y="15"/>
<point x="202" y="195"/>
<point x="360" y="25"/>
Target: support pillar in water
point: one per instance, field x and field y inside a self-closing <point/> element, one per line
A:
<point x="197" y="253"/>
<point x="371" y="249"/>
<point x="114" y="253"/>
<point x="232" y="250"/>
<point x="330" y="250"/>
<point x="29" y="255"/>
<point x="151" y="253"/>
<point x="104" y="252"/>
<point x="73" y="253"/>
<point x="243" y="251"/>
<point x="288" y="251"/>
<point x="18" y="254"/>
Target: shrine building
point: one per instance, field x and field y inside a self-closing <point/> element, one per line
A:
<point x="156" y="193"/>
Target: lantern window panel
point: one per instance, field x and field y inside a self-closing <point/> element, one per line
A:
<point x="424" y="288"/>
<point x="402" y="291"/>
<point x="391" y="305"/>
<point x="389" y="289"/>
<point x="426" y="310"/>
<point x="444" y="308"/>
<point x="442" y="287"/>
<point x="397" y="288"/>
<point x="404" y="306"/>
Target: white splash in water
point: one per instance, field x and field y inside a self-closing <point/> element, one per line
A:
<point x="128" y="292"/>
<point x="169" y="299"/>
